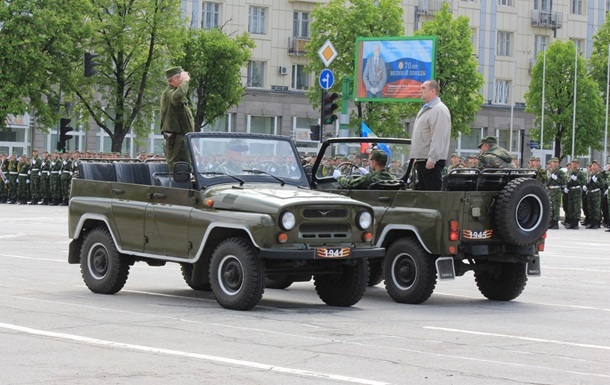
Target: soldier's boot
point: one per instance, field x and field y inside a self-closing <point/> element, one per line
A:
<point x="34" y="201"/>
<point x="568" y="223"/>
<point x="585" y="222"/>
<point x="593" y="225"/>
<point x="63" y="203"/>
<point x="44" y="202"/>
<point x="53" y="202"/>
<point x="554" y="225"/>
<point x="573" y="224"/>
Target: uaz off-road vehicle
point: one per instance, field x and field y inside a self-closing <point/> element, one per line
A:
<point x="492" y="222"/>
<point x="240" y="213"/>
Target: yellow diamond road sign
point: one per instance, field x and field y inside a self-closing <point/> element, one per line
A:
<point x="327" y="53"/>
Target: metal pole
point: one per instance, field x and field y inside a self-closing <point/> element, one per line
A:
<point x="606" y="127"/>
<point x="543" y="87"/>
<point x="574" y="111"/>
<point x="512" y="106"/>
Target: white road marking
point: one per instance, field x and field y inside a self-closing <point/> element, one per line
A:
<point x="512" y="337"/>
<point x="577" y="269"/>
<point x="178" y="353"/>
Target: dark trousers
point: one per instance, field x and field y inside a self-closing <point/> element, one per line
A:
<point x="430" y="180"/>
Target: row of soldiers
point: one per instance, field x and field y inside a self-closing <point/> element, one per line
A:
<point x="579" y="190"/>
<point x="36" y="180"/>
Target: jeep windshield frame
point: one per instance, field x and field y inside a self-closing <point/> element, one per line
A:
<point x="225" y="158"/>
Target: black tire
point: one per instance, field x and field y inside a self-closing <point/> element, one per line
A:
<point x="187" y="274"/>
<point x="375" y="272"/>
<point x="102" y="267"/>
<point x="522" y="211"/>
<point x="344" y="289"/>
<point x="410" y="273"/>
<point x="237" y="275"/>
<point x="278" y="281"/>
<point x="503" y="281"/>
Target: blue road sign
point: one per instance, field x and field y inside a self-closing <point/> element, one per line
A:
<point x="534" y="145"/>
<point x="326" y="79"/>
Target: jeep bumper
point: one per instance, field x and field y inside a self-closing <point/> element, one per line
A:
<point x="322" y="253"/>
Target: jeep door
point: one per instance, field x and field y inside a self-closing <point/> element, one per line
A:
<point x="167" y="219"/>
<point x="129" y="203"/>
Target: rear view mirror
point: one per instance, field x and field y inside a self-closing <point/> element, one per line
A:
<point x="182" y="172"/>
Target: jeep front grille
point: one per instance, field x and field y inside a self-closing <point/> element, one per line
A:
<point x="324" y="231"/>
<point x="325" y="213"/>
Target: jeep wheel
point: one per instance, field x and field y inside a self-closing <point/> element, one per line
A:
<point x="375" y="272"/>
<point x="410" y="274"/>
<point x="502" y="281"/>
<point x="344" y="289"/>
<point x="187" y="274"/>
<point x="237" y="275"/>
<point x="522" y="212"/>
<point x="102" y="267"/>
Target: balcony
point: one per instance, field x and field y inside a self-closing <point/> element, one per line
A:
<point x="429" y="7"/>
<point x="296" y="45"/>
<point x="547" y="19"/>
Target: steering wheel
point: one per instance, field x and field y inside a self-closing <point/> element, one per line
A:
<point x="266" y="165"/>
<point x="352" y="167"/>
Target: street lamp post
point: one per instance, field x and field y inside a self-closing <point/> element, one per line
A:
<point x="606" y="127"/>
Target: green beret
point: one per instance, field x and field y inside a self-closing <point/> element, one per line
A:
<point x="488" y="140"/>
<point x="379" y="156"/>
<point x="173" y="71"/>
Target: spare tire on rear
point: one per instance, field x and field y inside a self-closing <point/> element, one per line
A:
<point x="522" y="211"/>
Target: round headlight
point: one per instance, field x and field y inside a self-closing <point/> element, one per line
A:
<point x="287" y="220"/>
<point x="364" y="220"/>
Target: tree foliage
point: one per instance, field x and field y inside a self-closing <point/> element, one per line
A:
<point x="456" y="68"/>
<point x="39" y="41"/>
<point x="559" y="101"/>
<point x="134" y="40"/>
<point x="214" y="61"/>
<point x="341" y="22"/>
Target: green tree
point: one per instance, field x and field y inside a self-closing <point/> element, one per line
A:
<point x="341" y="22"/>
<point x="456" y="68"/>
<point x="134" y="40"/>
<point x="598" y="62"/>
<point x="214" y="62"/>
<point x="39" y="41"/>
<point x="559" y="101"/>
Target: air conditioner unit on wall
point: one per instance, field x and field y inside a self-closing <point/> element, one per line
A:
<point x="283" y="70"/>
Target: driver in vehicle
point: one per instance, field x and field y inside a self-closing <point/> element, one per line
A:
<point x="234" y="163"/>
<point x="377" y="165"/>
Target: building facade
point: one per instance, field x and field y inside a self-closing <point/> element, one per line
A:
<point x="507" y="36"/>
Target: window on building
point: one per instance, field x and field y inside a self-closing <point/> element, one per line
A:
<point x="543" y="5"/>
<point x="502" y="92"/>
<point x="210" y="15"/>
<point x="261" y="125"/>
<point x="300" y="24"/>
<point x="471" y="141"/>
<point x="300" y="78"/>
<point x="505" y="3"/>
<point x="221" y="124"/>
<point x="576" y="7"/>
<point x="256" y="73"/>
<point x="540" y="44"/>
<point x="474" y="40"/>
<point x="469" y="1"/>
<point x="257" y="20"/>
<point x="504" y="44"/>
<point x="580" y="46"/>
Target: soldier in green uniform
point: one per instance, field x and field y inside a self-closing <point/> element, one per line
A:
<point x="555" y="184"/>
<point x="23" y="168"/>
<point x="35" y="177"/>
<point x="594" y="188"/>
<point x="492" y="155"/>
<point x="13" y="175"/>
<point x="378" y="162"/>
<point x="234" y="158"/>
<point x="176" y="117"/>
<point x="455" y="163"/>
<point x="575" y="180"/>
<point x="45" y="175"/>
<point x="3" y="178"/>
<point x="55" y="179"/>
<point x="67" y="169"/>
<point x="541" y="174"/>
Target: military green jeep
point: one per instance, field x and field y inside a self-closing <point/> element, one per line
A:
<point x="239" y="215"/>
<point x="492" y="222"/>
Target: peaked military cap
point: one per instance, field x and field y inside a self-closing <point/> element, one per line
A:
<point x="533" y="158"/>
<point x="554" y="159"/>
<point x="173" y="71"/>
<point x="488" y="140"/>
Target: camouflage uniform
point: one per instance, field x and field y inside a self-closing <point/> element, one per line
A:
<point x="24" y="180"/>
<point x="45" y="177"/>
<point x="67" y="169"/>
<point x="373" y="176"/>
<point x="594" y="186"/>
<point x="576" y="179"/>
<point x="35" y="177"/>
<point x="55" y="179"/>
<point x="4" y="180"/>
<point x="556" y="182"/>
<point x="13" y="174"/>
<point x="495" y="156"/>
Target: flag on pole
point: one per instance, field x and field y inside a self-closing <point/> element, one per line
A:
<point x="365" y="132"/>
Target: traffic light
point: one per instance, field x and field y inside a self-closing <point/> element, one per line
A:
<point x="90" y="64"/>
<point x="328" y="107"/>
<point x="63" y="133"/>
<point x="315" y="132"/>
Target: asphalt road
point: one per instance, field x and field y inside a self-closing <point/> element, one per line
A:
<point x="53" y="330"/>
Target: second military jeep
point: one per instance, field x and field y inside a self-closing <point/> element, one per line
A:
<point x="240" y="214"/>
